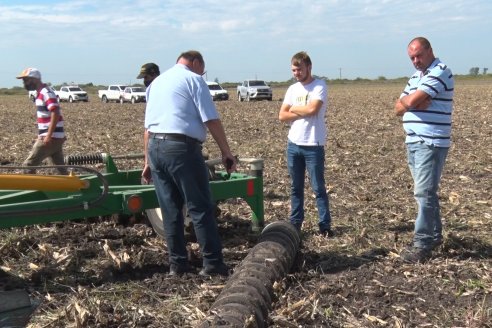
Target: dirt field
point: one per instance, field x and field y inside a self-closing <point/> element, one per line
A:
<point x="353" y="280"/>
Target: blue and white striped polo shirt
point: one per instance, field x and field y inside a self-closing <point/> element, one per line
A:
<point x="431" y="125"/>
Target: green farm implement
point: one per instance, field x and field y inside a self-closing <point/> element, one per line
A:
<point x="27" y="199"/>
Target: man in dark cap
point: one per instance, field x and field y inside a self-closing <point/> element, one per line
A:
<point x="148" y="72"/>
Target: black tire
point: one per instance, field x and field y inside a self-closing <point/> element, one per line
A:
<point x="262" y="287"/>
<point x="104" y="99"/>
<point x="70" y="99"/>
<point x="271" y="254"/>
<point x="285" y="227"/>
<point x="247" y="291"/>
<point x="239" y="97"/>
<point x="283" y="239"/>
<point x="247" y="97"/>
<point x="133" y="100"/>
<point x="254" y="309"/>
<point x="223" y="319"/>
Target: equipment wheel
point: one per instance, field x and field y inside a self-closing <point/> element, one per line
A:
<point x="156" y="219"/>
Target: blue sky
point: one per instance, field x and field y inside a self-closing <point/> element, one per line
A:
<point x="106" y="42"/>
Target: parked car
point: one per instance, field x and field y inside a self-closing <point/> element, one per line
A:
<point x="112" y="93"/>
<point x="254" y="89"/>
<point x="133" y="95"/>
<point x="32" y="95"/>
<point x="217" y="92"/>
<point x="72" y="93"/>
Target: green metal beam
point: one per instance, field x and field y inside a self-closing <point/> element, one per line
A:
<point x="20" y="208"/>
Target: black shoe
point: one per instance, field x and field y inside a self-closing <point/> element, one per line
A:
<point x="328" y="233"/>
<point x="437" y="243"/>
<point x="221" y="270"/>
<point x="297" y="226"/>
<point x="415" y="255"/>
<point x="178" y="269"/>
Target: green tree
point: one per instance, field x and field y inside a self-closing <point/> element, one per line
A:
<point x="474" y="71"/>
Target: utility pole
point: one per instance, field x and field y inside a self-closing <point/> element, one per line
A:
<point x="340" y="69"/>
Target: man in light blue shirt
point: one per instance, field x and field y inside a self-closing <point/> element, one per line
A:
<point x="426" y="105"/>
<point x="179" y="111"/>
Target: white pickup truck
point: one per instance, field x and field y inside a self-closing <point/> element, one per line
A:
<point x="72" y="93"/>
<point x="217" y="92"/>
<point x="112" y="93"/>
<point x="32" y="95"/>
<point x="254" y="89"/>
<point x="133" y="95"/>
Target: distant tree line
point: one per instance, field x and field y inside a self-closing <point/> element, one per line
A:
<point x="474" y="71"/>
<point x="92" y="88"/>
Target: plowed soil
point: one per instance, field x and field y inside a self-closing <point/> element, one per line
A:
<point x="110" y="272"/>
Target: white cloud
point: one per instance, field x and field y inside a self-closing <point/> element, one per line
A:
<point x="239" y="36"/>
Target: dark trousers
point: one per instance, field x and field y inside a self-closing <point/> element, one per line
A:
<point x="180" y="177"/>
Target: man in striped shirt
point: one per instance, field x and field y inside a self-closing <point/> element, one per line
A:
<point x="426" y="105"/>
<point x="51" y="134"/>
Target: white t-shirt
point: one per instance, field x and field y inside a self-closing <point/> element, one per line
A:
<point x="310" y="130"/>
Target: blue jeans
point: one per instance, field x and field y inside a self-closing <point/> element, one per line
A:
<point x="426" y="164"/>
<point x="181" y="177"/>
<point x="312" y="159"/>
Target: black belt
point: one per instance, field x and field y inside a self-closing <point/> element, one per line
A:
<point x="173" y="137"/>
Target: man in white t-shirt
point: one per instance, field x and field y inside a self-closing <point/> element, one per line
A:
<point x="304" y="107"/>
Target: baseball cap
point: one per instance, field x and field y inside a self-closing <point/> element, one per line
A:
<point x="149" y="68"/>
<point x="30" y="72"/>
